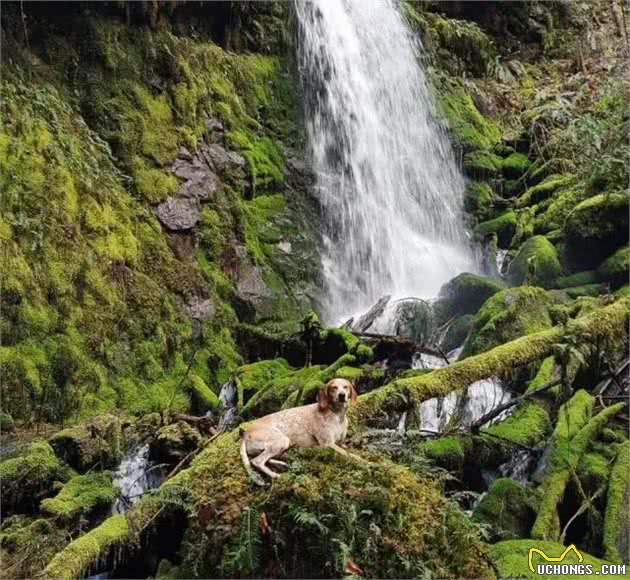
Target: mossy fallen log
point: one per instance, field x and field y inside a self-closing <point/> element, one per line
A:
<point x="569" y="444"/>
<point x="617" y="518"/>
<point x="605" y="322"/>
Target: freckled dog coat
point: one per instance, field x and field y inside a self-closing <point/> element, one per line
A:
<point x="321" y="424"/>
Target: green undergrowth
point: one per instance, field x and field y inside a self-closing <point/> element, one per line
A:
<point x="337" y="505"/>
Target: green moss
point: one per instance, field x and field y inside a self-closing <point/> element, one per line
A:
<point x="155" y="185"/>
<point x="478" y="198"/>
<point x="609" y="321"/>
<point x="480" y="163"/>
<point x="29" y="475"/>
<point x="543" y="190"/>
<point x="616" y="268"/>
<point x="579" y="279"/>
<point x="81" y="496"/>
<point x="89" y="549"/>
<point x="573" y="433"/>
<point x="509" y="314"/>
<point x="515" y="165"/>
<point x="28" y="544"/>
<point x="467" y="125"/>
<point x="508" y="508"/>
<point x="446" y="452"/>
<point x="256" y="376"/>
<point x="594" y="471"/>
<point x="528" y="425"/>
<point x="536" y="264"/>
<point x="511" y="558"/>
<point x="466" y="293"/>
<point x="615" y="540"/>
<point x="334" y="501"/>
<point x="96" y="442"/>
<point x="204" y="399"/>
<point x="7" y="425"/>
<point x="504" y="226"/>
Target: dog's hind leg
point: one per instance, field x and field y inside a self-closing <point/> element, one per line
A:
<point x="278" y="463"/>
<point x="274" y="448"/>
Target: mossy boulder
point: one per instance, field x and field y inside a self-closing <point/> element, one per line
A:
<point x="508" y="509"/>
<point x="95" y="442"/>
<point x="597" y="226"/>
<point x="511" y="558"/>
<point x="515" y="165"/>
<point x="7" y="425"/>
<point x="81" y="496"/>
<point x="536" y="264"/>
<point x="465" y="294"/>
<point x="28" y="544"/>
<point x="390" y="522"/>
<point x="253" y="377"/>
<point x="30" y="476"/>
<point x="504" y="226"/>
<point x="478" y="198"/>
<point x="173" y="442"/>
<point x="507" y="315"/>
<point x="585" y="278"/>
<point x="482" y="163"/>
<point x="543" y="190"/>
<point x="446" y="452"/>
<point x="616" y="268"/>
<point x="204" y="399"/>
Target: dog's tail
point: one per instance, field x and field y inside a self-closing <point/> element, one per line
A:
<point x="257" y="479"/>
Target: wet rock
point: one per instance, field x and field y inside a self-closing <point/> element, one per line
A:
<point x="253" y="290"/>
<point x="215" y="129"/>
<point x="198" y="180"/>
<point x="220" y="159"/>
<point x="178" y="214"/>
<point x="367" y="320"/>
<point x="200" y="308"/>
<point x="96" y="442"/>
<point x="174" y="442"/>
<point x="466" y="293"/>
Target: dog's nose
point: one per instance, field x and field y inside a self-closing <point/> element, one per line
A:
<point x="342" y="397"/>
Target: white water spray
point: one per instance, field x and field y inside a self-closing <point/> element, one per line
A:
<point x="387" y="178"/>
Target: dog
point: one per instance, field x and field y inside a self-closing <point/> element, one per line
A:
<point x="321" y="424"/>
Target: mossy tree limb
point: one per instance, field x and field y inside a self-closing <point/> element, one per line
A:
<point x="604" y="322"/>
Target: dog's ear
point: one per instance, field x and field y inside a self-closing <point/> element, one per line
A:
<point x="353" y="393"/>
<point x="322" y="398"/>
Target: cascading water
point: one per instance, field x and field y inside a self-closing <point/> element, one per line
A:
<point x="387" y="178"/>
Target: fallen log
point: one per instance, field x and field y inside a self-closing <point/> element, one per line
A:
<point x="608" y="321"/>
<point x="403" y="341"/>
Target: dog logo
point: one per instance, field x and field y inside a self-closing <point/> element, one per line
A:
<point x="559" y="558"/>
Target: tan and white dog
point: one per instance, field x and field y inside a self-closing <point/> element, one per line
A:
<point x="321" y="424"/>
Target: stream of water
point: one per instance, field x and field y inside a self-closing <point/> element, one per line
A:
<point x="387" y="178"/>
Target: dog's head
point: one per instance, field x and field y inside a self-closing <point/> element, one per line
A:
<point x="336" y="394"/>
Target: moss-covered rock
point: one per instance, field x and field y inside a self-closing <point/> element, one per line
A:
<point x="81" y="496"/>
<point x="616" y="268"/>
<point x="96" y="442"/>
<point x="585" y="278"/>
<point x="465" y="294"/>
<point x="28" y="544"/>
<point x="508" y="509"/>
<point x="543" y="190"/>
<point x="482" y="163"/>
<point x="204" y="399"/>
<point x="173" y="442"/>
<point x="515" y="165"/>
<point x="446" y="452"/>
<point x="7" y="425"/>
<point x="508" y="314"/>
<point x="616" y="532"/>
<point x="536" y="264"/>
<point x="478" y="198"/>
<point x="511" y="558"/>
<point x="596" y="226"/>
<point x="30" y="476"/>
<point x="504" y="226"/>
<point x="338" y="501"/>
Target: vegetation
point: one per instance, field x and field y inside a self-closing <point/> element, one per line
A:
<point x="160" y="231"/>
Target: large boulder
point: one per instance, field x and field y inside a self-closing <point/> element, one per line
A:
<point x="507" y="315"/>
<point x="616" y="268"/>
<point x="29" y="476"/>
<point x="504" y="226"/>
<point x="596" y="227"/>
<point x="466" y="293"/>
<point x="508" y="509"/>
<point x="174" y="442"/>
<point x="536" y="264"/>
<point x="96" y="442"/>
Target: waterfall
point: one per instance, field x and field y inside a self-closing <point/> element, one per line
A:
<point x="387" y="178"/>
